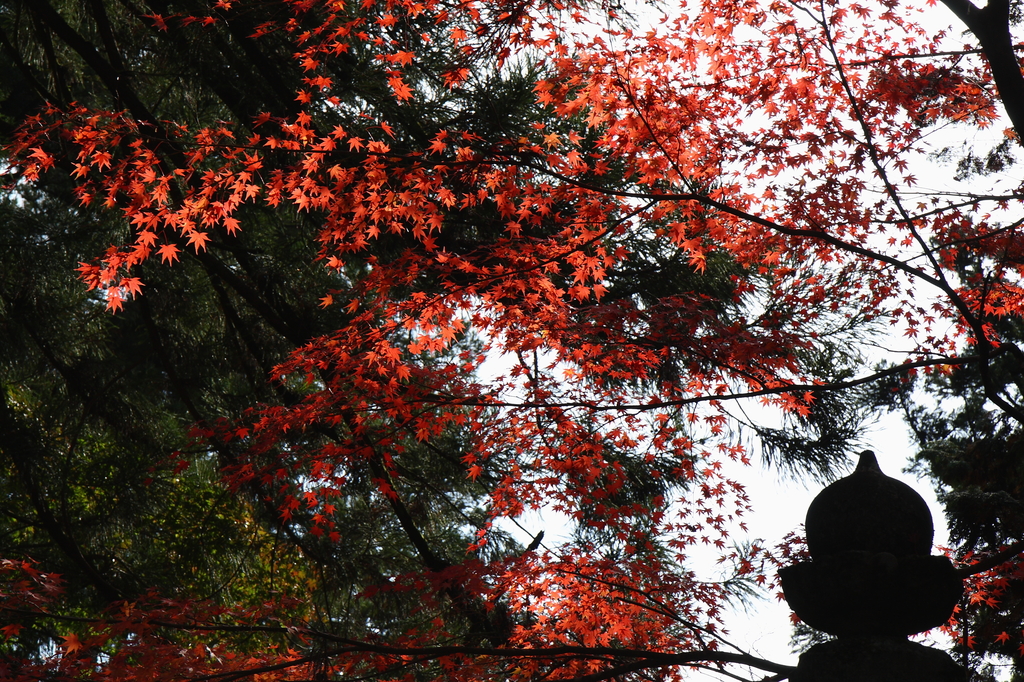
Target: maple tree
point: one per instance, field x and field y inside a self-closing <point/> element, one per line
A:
<point x="390" y="275"/>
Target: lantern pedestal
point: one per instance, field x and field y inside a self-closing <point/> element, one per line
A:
<point x="876" y="659"/>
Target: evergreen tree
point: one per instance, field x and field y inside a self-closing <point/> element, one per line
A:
<point x="971" y="449"/>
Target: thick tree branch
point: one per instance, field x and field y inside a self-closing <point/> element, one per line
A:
<point x="112" y="80"/>
<point x="486" y="623"/>
<point x="991" y="26"/>
<point x="99" y="14"/>
<point x="24" y="450"/>
<point x="8" y="49"/>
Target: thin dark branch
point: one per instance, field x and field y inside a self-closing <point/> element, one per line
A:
<point x="775" y="390"/>
<point x="816" y="234"/>
<point x="645" y="658"/>
<point x="992" y="561"/>
<point x="991" y="26"/>
<point x="922" y="55"/>
<point x="248" y="672"/>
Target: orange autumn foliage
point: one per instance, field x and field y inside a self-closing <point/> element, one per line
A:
<point x="778" y="139"/>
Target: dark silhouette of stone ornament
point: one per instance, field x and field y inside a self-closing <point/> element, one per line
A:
<point x="871" y="512"/>
<point x="871" y="582"/>
<point x="856" y="593"/>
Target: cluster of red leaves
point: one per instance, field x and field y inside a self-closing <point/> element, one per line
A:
<point x="990" y="592"/>
<point x="774" y="133"/>
<point x="23" y="587"/>
<point x="798" y="114"/>
<point x="167" y="639"/>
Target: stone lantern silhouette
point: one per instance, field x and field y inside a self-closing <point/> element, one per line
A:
<point x="872" y="582"/>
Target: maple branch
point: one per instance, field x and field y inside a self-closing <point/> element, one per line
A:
<point x="648" y="658"/>
<point x="923" y="55"/>
<point x="939" y="279"/>
<point x="719" y="670"/>
<point x="624" y="87"/>
<point x="662" y="608"/>
<point x="249" y="672"/>
<point x="992" y="561"/>
<point x="981" y="237"/>
<point x="776" y="390"/>
<point x="662" y="660"/>
<point x="817" y="233"/>
<point x="645" y="658"/>
<point x="973" y="200"/>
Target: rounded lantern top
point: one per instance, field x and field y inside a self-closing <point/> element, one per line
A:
<point x="868" y="511"/>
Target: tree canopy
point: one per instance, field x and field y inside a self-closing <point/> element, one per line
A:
<point x="359" y="285"/>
